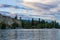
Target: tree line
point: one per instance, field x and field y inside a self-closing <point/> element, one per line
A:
<point x="30" y="24"/>
<point x="40" y="24"/>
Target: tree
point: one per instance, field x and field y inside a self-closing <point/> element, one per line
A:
<point x="27" y="25"/>
<point x="52" y="24"/>
<point x="22" y="22"/>
<point x="20" y="18"/>
<point x="43" y="23"/>
<point x="15" y="25"/>
<point x="39" y="20"/>
<point x="3" y="25"/>
<point x="57" y="25"/>
<point x="16" y="17"/>
<point x="32" y="21"/>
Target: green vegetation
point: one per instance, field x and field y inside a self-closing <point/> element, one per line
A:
<point x="31" y="24"/>
<point x="14" y="25"/>
<point x="3" y="25"/>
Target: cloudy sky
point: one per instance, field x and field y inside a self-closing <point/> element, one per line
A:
<point x="44" y="9"/>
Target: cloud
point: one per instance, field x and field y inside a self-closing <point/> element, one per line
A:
<point x="56" y="9"/>
<point x="41" y="1"/>
<point x="44" y="9"/>
<point x="14" y="7"/>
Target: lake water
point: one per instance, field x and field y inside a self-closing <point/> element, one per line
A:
<point x="30" y="34"/>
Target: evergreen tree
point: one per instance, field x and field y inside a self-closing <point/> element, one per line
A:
<point x="16" y="17"/>
<point x="20" y="18"/>
<point x="39" y="20"/>
<point x="3" y="25"/>
<point x="27" y="24"/>
<point x="22" y="22"/>
<point x="15" y="25"/>
<point x="32" y="21"/>
<point x="43" y="23"/>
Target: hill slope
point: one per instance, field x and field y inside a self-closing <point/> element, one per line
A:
<point x="8" y="20"/>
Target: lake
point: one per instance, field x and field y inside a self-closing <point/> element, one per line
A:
<point x="29" y="34"/>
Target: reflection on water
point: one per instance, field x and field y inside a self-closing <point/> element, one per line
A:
<point x="30" y="34"/>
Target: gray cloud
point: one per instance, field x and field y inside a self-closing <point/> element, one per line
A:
<point x="16" y="7"/>
<point x="45" y="10"/>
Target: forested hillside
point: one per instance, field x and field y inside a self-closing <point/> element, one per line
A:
<point x="13" y="23"/>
